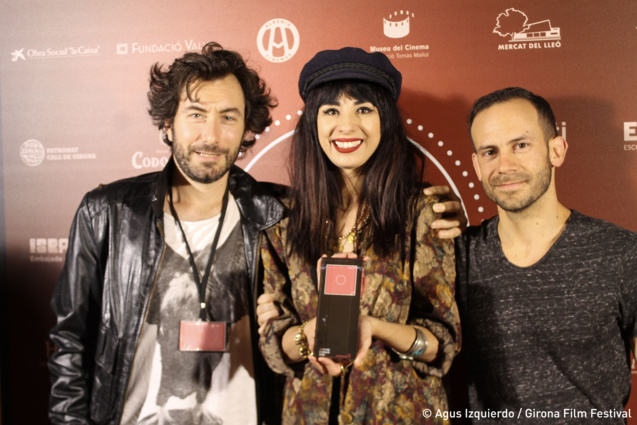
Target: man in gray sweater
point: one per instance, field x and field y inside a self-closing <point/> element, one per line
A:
<point x="548" y="296"/>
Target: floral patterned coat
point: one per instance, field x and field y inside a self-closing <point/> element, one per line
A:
<point x="384" y="389"/>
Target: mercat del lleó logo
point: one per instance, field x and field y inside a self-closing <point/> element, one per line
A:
<point x="514" y="24"/>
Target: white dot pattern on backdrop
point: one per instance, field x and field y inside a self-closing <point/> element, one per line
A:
<point x="420" y="128"/>
<point x="449" y="153"/>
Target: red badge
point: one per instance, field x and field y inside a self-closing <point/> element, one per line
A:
<point x="202" y="336"/>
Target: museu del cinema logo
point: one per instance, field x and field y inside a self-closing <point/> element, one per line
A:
<point x="521" y="34"/>
<point x="278" y="40"/>
<point x="398" y="26"/>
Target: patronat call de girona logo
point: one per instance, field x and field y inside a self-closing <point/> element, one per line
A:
<point x="398" y="25"/>
<point x="33" y="153"/>
<point x="278" y="40"/>
<point x="514" y="25"/>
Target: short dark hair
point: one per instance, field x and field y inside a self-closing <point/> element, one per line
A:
<point x="214" y="62"/>
<point x="543" y="108"/>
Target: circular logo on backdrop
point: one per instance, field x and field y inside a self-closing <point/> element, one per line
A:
<point x="32" y="153"/>
<point x="278" y="40"/>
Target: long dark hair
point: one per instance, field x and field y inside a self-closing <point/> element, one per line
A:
<point x="391" y="177"/>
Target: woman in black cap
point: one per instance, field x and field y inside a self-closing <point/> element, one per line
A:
<point x="355" y="188"/>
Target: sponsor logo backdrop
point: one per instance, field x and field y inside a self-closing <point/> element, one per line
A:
<point x="74" y="77"/>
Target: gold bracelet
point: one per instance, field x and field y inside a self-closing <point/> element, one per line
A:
<point x="300" y="339"/>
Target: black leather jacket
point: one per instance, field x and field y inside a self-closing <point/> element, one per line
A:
<point x="116" y="245"/>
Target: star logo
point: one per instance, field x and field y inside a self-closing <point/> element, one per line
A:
<point x="17" y="54"/>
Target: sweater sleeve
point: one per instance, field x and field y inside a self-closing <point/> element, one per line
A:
<point x="627" y="281"/>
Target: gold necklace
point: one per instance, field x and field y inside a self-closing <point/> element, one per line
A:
<point x="352" y="236"/>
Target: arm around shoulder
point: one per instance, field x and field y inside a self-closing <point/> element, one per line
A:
<point x="453" y="219"/>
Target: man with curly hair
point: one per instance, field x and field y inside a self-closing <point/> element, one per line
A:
<point x="155" y="303"/>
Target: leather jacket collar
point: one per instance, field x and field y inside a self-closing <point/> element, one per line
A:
<point x="255" y="203"/>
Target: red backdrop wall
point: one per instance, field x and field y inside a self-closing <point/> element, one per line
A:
<point x="74" y="77"/>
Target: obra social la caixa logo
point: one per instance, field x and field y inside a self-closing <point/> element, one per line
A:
<point x="278" y="40"/>
<point x="514" y="24"/>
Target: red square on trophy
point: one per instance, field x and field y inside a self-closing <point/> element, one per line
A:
<point x="340" y="280"/>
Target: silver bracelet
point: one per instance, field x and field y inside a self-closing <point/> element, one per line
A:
<point x="418" y="348"/>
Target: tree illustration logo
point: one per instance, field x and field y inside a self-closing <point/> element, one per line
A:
<point x="515" y="24"/>
<point x="510" y="23"/>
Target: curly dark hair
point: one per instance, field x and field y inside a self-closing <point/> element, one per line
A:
<point x="214" y="62"/>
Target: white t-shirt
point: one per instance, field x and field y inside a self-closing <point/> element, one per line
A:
<point x="168" y="386"/>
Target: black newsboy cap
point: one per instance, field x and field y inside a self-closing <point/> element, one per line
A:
<point x="349" y="63"/>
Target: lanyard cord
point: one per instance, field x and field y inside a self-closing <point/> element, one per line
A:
<point x="201" y="283"/>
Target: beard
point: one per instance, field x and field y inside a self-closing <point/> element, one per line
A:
<point x="516" y="202"/>
<point x="207" y="172"/>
